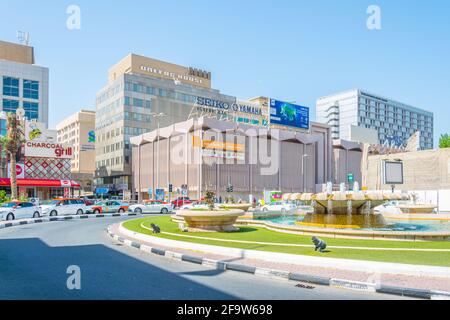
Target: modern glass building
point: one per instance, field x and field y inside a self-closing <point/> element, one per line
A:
<point x="22" y="83"/>
<point x="354" y="114"/>
<point x="138" y="91"/>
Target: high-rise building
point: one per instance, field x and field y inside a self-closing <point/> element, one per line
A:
<point x="22" y="83"/>
<point x="361" y="116"/>
<point x="78" y="130"/>
<point x="138" y="91"/>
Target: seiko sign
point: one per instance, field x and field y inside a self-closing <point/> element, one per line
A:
<point x="227" y="106"/>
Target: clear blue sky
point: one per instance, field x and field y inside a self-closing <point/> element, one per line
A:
<point x="292" y="50"/>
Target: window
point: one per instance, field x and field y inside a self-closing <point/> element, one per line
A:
<point x="10" y="86"/>
<point x="3" y="129"/>
<point x="31" y="89"/>
<point x="31" y="110"/>
<point x="10" y="105"/>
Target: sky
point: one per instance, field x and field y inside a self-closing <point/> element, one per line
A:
<point x="291" y="50"/>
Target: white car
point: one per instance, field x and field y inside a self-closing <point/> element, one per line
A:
<point x="64" y="207"/>
<point x="19" y="210"/>
<point x="279" y="207"/>
<point x="151" y="207"/>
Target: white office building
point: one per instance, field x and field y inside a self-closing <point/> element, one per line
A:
<point x="23" y="83"/>
<point x="369" y="118"/>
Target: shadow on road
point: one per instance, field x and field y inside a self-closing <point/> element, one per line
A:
<point x="30" y="269"/>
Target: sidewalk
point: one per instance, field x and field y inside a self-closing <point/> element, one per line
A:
<point x="425" y="283"/>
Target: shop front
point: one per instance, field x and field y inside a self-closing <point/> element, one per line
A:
<point x="42" y="188"/>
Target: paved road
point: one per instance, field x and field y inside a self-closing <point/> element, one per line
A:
<point x="34" y="260"/>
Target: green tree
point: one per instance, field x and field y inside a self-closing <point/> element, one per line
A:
<point x="444" y="141"/>
<point x="209" y="199"/>
<point x="12" y="143"/>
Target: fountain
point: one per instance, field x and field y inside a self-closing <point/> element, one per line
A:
<point x="343" y="209"/>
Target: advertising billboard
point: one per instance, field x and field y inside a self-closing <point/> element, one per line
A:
<point x="36" y="131"/>
<point x="20" y="170"/>
<point x="288" y="114"/>
<point x="392" y="172"/>
<point x="48" y="150"/>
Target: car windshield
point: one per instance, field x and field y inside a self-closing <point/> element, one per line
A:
<point x="9" y="205"/>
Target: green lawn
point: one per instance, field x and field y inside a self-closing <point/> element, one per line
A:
<point x="263" y="235"/>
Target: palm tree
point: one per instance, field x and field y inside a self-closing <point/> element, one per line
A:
<point x="12" y="143"/>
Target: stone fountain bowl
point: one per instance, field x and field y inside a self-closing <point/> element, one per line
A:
<point x="211" y="221"/>
<point x="236" y="206"/>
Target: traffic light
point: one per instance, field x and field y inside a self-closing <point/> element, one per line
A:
<point x="230" y="188"/>
<point x="170" y="188"/>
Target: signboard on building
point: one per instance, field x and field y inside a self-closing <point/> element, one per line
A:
<point x="160" y="194"/>
<point x="48" y="150"/>
<point x="20" y="171"/>
<point x="36" y="131"/>
<point x="392" y="172"/>
<point x="288" y="114"/>
<point x="239" y="111"/>
<point x="91" y="136"/>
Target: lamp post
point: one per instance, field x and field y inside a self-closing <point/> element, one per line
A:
<point x="303" y="171"/>
<point x="157" y="116"/>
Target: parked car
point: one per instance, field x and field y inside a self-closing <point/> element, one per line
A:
<point x="64" y="206"/>
<point x="19" y="210"/>
<point x="279" y="207"/>
<point x="109" y="206"/>
<point x="181" y="201"/>
<point x="151" y="207"/>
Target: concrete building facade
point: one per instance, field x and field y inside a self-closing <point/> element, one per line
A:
<point x="210" y="154"/>
<point x="139" y="90"/>
<point x="393" y="122"/>
<point x="23" y="83"/>
<point x="78" y="130"/>
<point x="422" y="170"/>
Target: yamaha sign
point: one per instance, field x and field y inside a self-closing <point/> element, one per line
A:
<point x="228" y="106"/>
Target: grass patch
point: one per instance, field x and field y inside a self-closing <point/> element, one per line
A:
<point x="264" y="235"/>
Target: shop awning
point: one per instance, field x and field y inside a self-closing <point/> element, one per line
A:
<point x="5" y="182"/>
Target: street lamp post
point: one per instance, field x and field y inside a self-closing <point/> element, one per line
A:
<point x="303" y="171"/>
<point x="157" y="116"/>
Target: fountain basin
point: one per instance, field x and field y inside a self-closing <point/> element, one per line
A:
<point x="236" y="206"/>
<point x="417" y="208"/>
<point x="337" y="221"/>
<point x="210" y="221"/>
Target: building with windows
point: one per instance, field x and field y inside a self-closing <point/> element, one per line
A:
<point x="211" y="154"/>
<point x="22" y="83"/>
<point x="78" y="130"/>
<point x="360" y="116"/>
<point x="143" y="94"/>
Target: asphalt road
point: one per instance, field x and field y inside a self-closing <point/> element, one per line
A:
<point x="34" y="261"/>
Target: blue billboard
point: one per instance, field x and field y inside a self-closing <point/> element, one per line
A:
<point x="288" y="114"/>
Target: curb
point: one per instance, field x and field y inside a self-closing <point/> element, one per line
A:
<point x="18" y="223"/>
<point x="285" y="275"/>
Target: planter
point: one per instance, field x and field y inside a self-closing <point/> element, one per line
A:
<point x="210" y="221"/>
